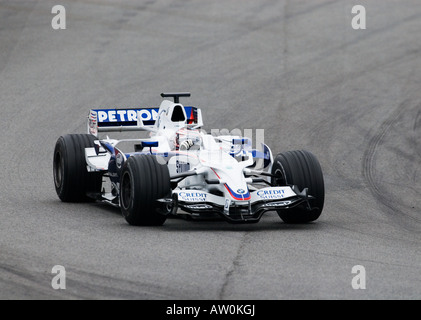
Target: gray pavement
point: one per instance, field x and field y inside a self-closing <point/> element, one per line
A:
<point x="294" y="68"/>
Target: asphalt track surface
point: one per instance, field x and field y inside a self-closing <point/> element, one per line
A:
<point x="294" y="68"/>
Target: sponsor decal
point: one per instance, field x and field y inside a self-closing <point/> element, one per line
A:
<point x="149" y="115"/>
<point x="182" y="166"/>
<point x="227" y="206"/>
<point x="199" y="206"/>
<point x="271" y="194"/>
<point x="192" y="118"/>
<point x="192" y="196"/>
<point x="93" y="123"/>
<point x="236" y="196"/>
<point x="126" y="115"/>
<point x="278" y="204"/>
<point x="241" y="191"/>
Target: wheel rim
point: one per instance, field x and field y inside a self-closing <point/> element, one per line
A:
<point x="126" y="191"/>
<point x="280" y="179"/>
<point x="58" y="169"/>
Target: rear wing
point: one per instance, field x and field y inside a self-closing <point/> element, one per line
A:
<point x="132" y="119"/>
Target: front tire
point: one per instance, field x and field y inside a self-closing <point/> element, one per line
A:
<point x="300" y="168"/>
<point x="143" y="181"/>
<point x="72" y="180"/>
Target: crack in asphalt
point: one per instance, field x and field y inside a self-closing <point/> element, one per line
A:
<point x="232" y="270"/>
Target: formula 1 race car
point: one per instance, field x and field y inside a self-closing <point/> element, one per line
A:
<point x="181" y="170"/>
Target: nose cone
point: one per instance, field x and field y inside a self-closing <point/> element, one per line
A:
<point x="229" y="171"/>
<point x="235" y="184"/>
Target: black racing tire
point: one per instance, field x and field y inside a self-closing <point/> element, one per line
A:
<point x="143" y="181"/>
<point x="72" y="180"/>
<point x="300" y="168"/>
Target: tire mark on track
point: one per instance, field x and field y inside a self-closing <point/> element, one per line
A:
<point x="34" y="283"/>
<point x="417" y="126"/>
<point x="310" y="10"/>
<point x="369" y="161"/>
<point x="101" y="286"/>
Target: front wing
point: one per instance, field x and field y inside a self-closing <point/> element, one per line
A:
<point x="197" y="202"/>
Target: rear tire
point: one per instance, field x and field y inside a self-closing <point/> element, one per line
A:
<point x="71" y="178"/>
<point x="143" y="181"/>
<point x="300" y="168"/>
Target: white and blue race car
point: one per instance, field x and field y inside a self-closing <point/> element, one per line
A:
<point x="181" y="170"/>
